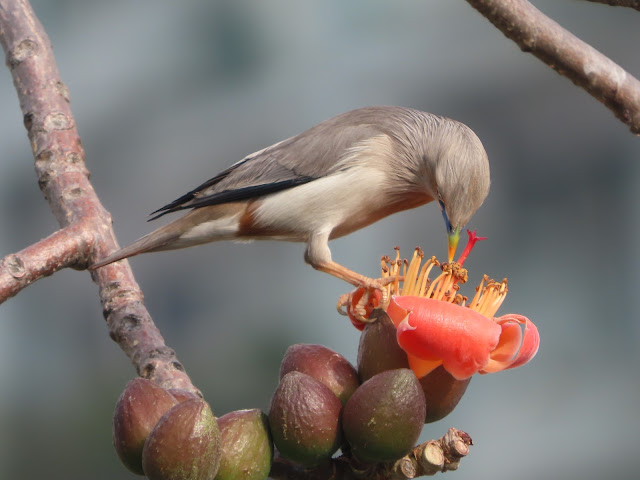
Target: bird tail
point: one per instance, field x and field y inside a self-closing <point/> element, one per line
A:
<point x="172" y="236"/>
<point x="159" y="239"/>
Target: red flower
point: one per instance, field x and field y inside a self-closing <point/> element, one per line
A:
<point x="435" y="332"/>
<point x="437" y="326"/>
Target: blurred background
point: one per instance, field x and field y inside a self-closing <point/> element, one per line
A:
<point x="167" y="94"/>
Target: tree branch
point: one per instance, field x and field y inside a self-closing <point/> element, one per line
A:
<point x="620" y="3"/>
<point x="65" y="248"/>
<point x="567" y="54"/>
<point x="64" y="180"/>
<point x="429" y="458"/>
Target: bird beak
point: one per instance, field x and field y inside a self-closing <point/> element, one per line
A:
<point x="454" y="236"/>
<point x="454" y="233"/>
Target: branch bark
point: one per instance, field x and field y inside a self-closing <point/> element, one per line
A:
<point x="86" y="232"/>
<point x="589" y="69"/>
<point x="429" y="458"/>
<point x="620" y="3"/>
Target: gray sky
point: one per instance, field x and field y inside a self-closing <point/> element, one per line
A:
<point x="167" y="94"/>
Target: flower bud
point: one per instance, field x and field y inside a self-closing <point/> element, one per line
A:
<point x="139" y="408"/>
<point x="247" y="450"/>
<point x="184" y="445"/>
<point x="378" y="349"/>
<point x="383" y="419"/>
<point x="305" y="419"/>
<point x="181" y="395"/>
<point x="323" y="364"/>
<point x="442" y="392"/>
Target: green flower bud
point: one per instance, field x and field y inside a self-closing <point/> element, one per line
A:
<point x="383" y="419"/>
<point x="305" y="419"/>
<point x="247" y="449"/>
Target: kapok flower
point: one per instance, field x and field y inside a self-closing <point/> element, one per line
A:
<point x="436" y="325"/>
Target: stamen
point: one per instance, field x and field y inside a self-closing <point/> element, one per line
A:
<point x="444" y="286"/>
<point x="500" y="293"/>
<point x="424" y="279"/>
<point x="437" y="280"/>
<point x="412" y="278"/>
<point x="396" y="272"/>
<point x="383" y="266"/>
<point x="476" y="297"/>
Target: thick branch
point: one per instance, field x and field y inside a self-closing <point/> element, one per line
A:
<point x="619" y="3"/>
<point x="64" y="180"/>
<point x="568" y="55"/>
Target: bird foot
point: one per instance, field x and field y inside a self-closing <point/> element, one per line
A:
<point x="359" y="304"/>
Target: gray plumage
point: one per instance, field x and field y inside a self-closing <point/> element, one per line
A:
<point x="340" y="175"/>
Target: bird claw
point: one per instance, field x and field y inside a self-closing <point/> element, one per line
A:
<point x="359" y="304"/>
<point x="380" y="285"/>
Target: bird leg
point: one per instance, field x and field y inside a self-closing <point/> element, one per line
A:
<point x="354" y="278"/>
<point x="318" y="256"/>
<point x="361" y="310"/>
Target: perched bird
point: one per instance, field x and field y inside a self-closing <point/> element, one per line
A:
<point x="337" y="177"/>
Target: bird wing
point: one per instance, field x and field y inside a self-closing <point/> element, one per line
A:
<point x="313" y="154"/>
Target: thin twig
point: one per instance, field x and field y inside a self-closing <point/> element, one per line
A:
<point x="428" y="458"/>
<point x="64" y="180"/>
<point x="536" y="33"/>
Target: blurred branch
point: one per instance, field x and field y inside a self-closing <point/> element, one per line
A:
<point x="428" y="458"/>
<point x="536" y="33"/>
<point x="86" y="231"/>
<point x="65" y="248"/>
<point x="619" y="3"/>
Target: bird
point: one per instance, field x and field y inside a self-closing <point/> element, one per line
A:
<point x="337" y="177"/>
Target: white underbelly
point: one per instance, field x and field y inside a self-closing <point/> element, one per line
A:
<point x="337" y="201"/>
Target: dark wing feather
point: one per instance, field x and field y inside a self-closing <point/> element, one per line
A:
<point x="234" y="195"/>
<point x="178" y="204"/>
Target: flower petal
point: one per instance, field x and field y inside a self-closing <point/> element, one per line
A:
<point x="509" y="343"/>
<point x="396" y="313"/>
<point x="422" y="367"/>
<point x="528" y="346"/>
<point x="433" y="329"/>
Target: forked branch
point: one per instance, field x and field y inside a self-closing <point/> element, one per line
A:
<point x="86" y="231"/>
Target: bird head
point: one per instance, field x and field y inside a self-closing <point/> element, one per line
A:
<point x="460" y="177"/>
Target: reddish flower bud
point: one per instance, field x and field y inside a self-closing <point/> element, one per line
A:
<point x="442" y="393"/>
<point x="184" y="445"/>
<point x="378" y="350"/>
<point x="182" y="395"/>
<point x="139" y="408"/>
<point x="323" y="364"/>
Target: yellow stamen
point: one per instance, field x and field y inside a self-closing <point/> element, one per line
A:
<point x="429" y="293"/>
<point x="411" y="273"/>
<point x="476" y="297"/>
<point x="412" y="278"/>
<point x="423" y="279"/>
